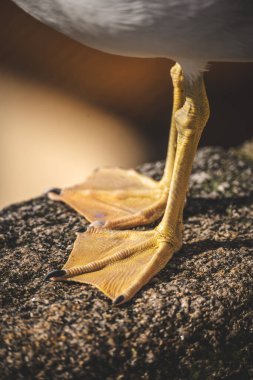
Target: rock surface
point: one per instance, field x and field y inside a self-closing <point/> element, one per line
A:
<point x="193" y="321"/>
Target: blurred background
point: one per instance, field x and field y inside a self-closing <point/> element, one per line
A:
<point x="66" y="109"/>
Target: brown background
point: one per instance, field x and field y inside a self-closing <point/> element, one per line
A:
<point x="66" y="108"/>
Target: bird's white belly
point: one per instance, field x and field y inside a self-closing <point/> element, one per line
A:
<point x="124" y="27"/>
<point x="193" y="30"/>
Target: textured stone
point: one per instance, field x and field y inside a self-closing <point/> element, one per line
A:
<point x="193" y="321"/>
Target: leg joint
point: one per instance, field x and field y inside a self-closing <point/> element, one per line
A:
<point x="191" y="117"/>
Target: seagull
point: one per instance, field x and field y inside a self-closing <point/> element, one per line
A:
<point x="111" y="255"/>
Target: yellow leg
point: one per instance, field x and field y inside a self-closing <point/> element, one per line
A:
<point x="117" y="198"/>
<point x="178" y="102"/>
<point x="120" y="263"/>
<point x="190" y="121"/>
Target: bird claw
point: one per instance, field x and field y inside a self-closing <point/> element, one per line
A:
<point x="55" y="273"/>
<point x="118" y="300"/>
<point x="96" y="224"/>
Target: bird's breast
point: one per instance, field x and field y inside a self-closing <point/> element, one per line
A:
<point x="196" y="30"/>
<point x="137" y="28"/>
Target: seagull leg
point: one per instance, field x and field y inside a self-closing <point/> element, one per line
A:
<point x="120" y="263"/>
<point x="117" y="198"/>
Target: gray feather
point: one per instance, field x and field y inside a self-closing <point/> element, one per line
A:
<point x="194" y="31"/>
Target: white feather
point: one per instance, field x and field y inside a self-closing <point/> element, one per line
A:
<point x="191" y="32"/>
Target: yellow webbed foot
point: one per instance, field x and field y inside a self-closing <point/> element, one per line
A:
<point x="117" y="198"/>
<point x="119" y="263"/>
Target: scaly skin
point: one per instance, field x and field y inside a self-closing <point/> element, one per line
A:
<point x="120" y="263"/>
<point x="117" y="198"/>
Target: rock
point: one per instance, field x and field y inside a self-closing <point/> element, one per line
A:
<point x="193" y="321"/>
